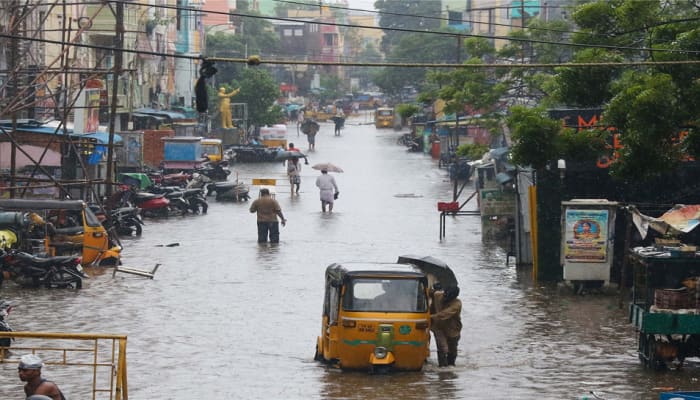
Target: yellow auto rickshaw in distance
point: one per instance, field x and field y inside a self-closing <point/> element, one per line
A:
<point x="64" y="227"/>
<point x="375" y="317"/>
<point x="384" y="117"/>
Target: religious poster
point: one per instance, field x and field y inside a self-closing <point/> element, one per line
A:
<point x="87" y="116"/>
<point x="586" y="235"/>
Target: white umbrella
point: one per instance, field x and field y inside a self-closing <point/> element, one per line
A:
<point x="328" y="167"/>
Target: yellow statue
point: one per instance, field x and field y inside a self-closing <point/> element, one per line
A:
<point x="225" y="107"/>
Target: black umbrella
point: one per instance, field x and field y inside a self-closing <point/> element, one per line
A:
<point x="287" y="155"/>
<point x="431" y="266"/>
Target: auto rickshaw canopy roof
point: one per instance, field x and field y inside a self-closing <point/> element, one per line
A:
<point x="372" y="269"/>
<point x="36" y="204"/>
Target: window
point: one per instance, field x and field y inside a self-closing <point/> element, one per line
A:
<point x="287" y="32"/>
<point x="385" y="295"/>
<point x="298" y="32"/>
<point x="454" y="18"/>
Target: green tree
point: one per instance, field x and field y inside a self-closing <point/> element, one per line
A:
<point x="260" y="92"/>
<point x="414" y="48"/>
<point x="477" y="89"/>
<point x="535" y="84"/>
<point x="648" y="105"/>
<point x="332" y="87"/>
<point x="406" y="14"/>
<point x="255" y="36"/>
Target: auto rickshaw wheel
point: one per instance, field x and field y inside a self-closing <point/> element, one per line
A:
<point x="317" y="355"/>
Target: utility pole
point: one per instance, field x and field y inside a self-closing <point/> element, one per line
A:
<point x="116" y="71"/>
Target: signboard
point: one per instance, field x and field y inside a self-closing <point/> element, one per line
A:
<point x="264" y="182"/>
<point x="87" y="113"/>
<point x="586" y="235"/>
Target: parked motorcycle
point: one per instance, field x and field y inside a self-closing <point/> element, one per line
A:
<point x="229" y="191"/>
<point x="50" y="272"/>
<point x="175" y="195"/>
<point x="150" y="204"/>
<point x="5" y="308"/>
<point x="123" y="221"/>
<point x="177" y="179"/>
<point x="127" y="221"/>
<point x="215" y="171"/>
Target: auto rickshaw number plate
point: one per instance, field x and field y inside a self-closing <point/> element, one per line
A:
<point x="365" y="328"/>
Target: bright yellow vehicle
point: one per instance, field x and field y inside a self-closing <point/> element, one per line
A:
<point x="384" y="117"/>
<point x="60" y="227"/>
<point x="375" y="317"/>
<point x="213" y="149"/>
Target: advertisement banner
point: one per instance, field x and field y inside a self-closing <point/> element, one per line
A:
<point x="586" y="235"/>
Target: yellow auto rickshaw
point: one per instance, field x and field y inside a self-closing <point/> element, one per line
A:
<point x="62" y="227"/>
<point x="384" y="117"/>
<point x="375" y="317"/>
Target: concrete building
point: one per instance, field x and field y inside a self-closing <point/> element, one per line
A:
<point x="498" y="17"/>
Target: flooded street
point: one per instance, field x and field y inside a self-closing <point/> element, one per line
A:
<point x="228" y="318"/>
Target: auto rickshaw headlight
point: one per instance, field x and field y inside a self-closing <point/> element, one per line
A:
<point x="380" y="352"/>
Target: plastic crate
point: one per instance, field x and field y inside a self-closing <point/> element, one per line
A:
<point x="448" y="206"/>
<point x="674" y="299"/>
<point x="679" y="396"/>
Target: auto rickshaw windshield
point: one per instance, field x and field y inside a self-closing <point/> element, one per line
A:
<point x="385" y="295"/>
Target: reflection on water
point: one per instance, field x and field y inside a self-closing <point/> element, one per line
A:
<point x="226" y="317"/>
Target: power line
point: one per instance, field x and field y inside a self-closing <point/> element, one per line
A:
<point x="451" y="34"/>
<point x="251" y="60"/>
<point x="442" y="19"/>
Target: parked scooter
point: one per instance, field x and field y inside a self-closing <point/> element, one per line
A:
<point x="229" y="191"/>
<point x="215" y="171"/>
<point x="151" y="205"/>
<point x="177" y="179"/>
<point x="5" y="308"/>
<point x="50" y="272"/>
<point x="125" y="221"/>
<point x="174" y="194"/>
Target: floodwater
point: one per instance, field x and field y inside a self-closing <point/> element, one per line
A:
<point x="228" y="318"/>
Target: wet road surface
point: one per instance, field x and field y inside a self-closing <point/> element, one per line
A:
<point x="228" y="318"/>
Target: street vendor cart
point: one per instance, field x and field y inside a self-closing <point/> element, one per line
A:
<point x="665" y="301"/>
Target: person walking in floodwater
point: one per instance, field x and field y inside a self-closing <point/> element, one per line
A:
<point x="29" y="370"/>
<point x="310" y="128"/>
<point x="294" y="173"/>
<point x="446" y="323"/>
<point x="328" y="190"/>
<point x="268" y="210"/>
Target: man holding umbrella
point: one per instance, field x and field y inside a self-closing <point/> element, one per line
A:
<point x="328" y="188"/>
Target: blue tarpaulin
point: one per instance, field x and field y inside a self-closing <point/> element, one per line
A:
<point x="99" y="151"/>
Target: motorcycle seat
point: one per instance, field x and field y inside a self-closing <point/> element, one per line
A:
<point x="147" y="196"/>
<point x="44" y="261"/>
<point x="174" y="195"/>
<point x="192" y="192"/>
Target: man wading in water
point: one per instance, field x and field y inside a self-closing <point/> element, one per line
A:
<point x="30" y="371"/>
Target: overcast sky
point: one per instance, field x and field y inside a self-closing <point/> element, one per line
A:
<point x="362" y="4"/>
